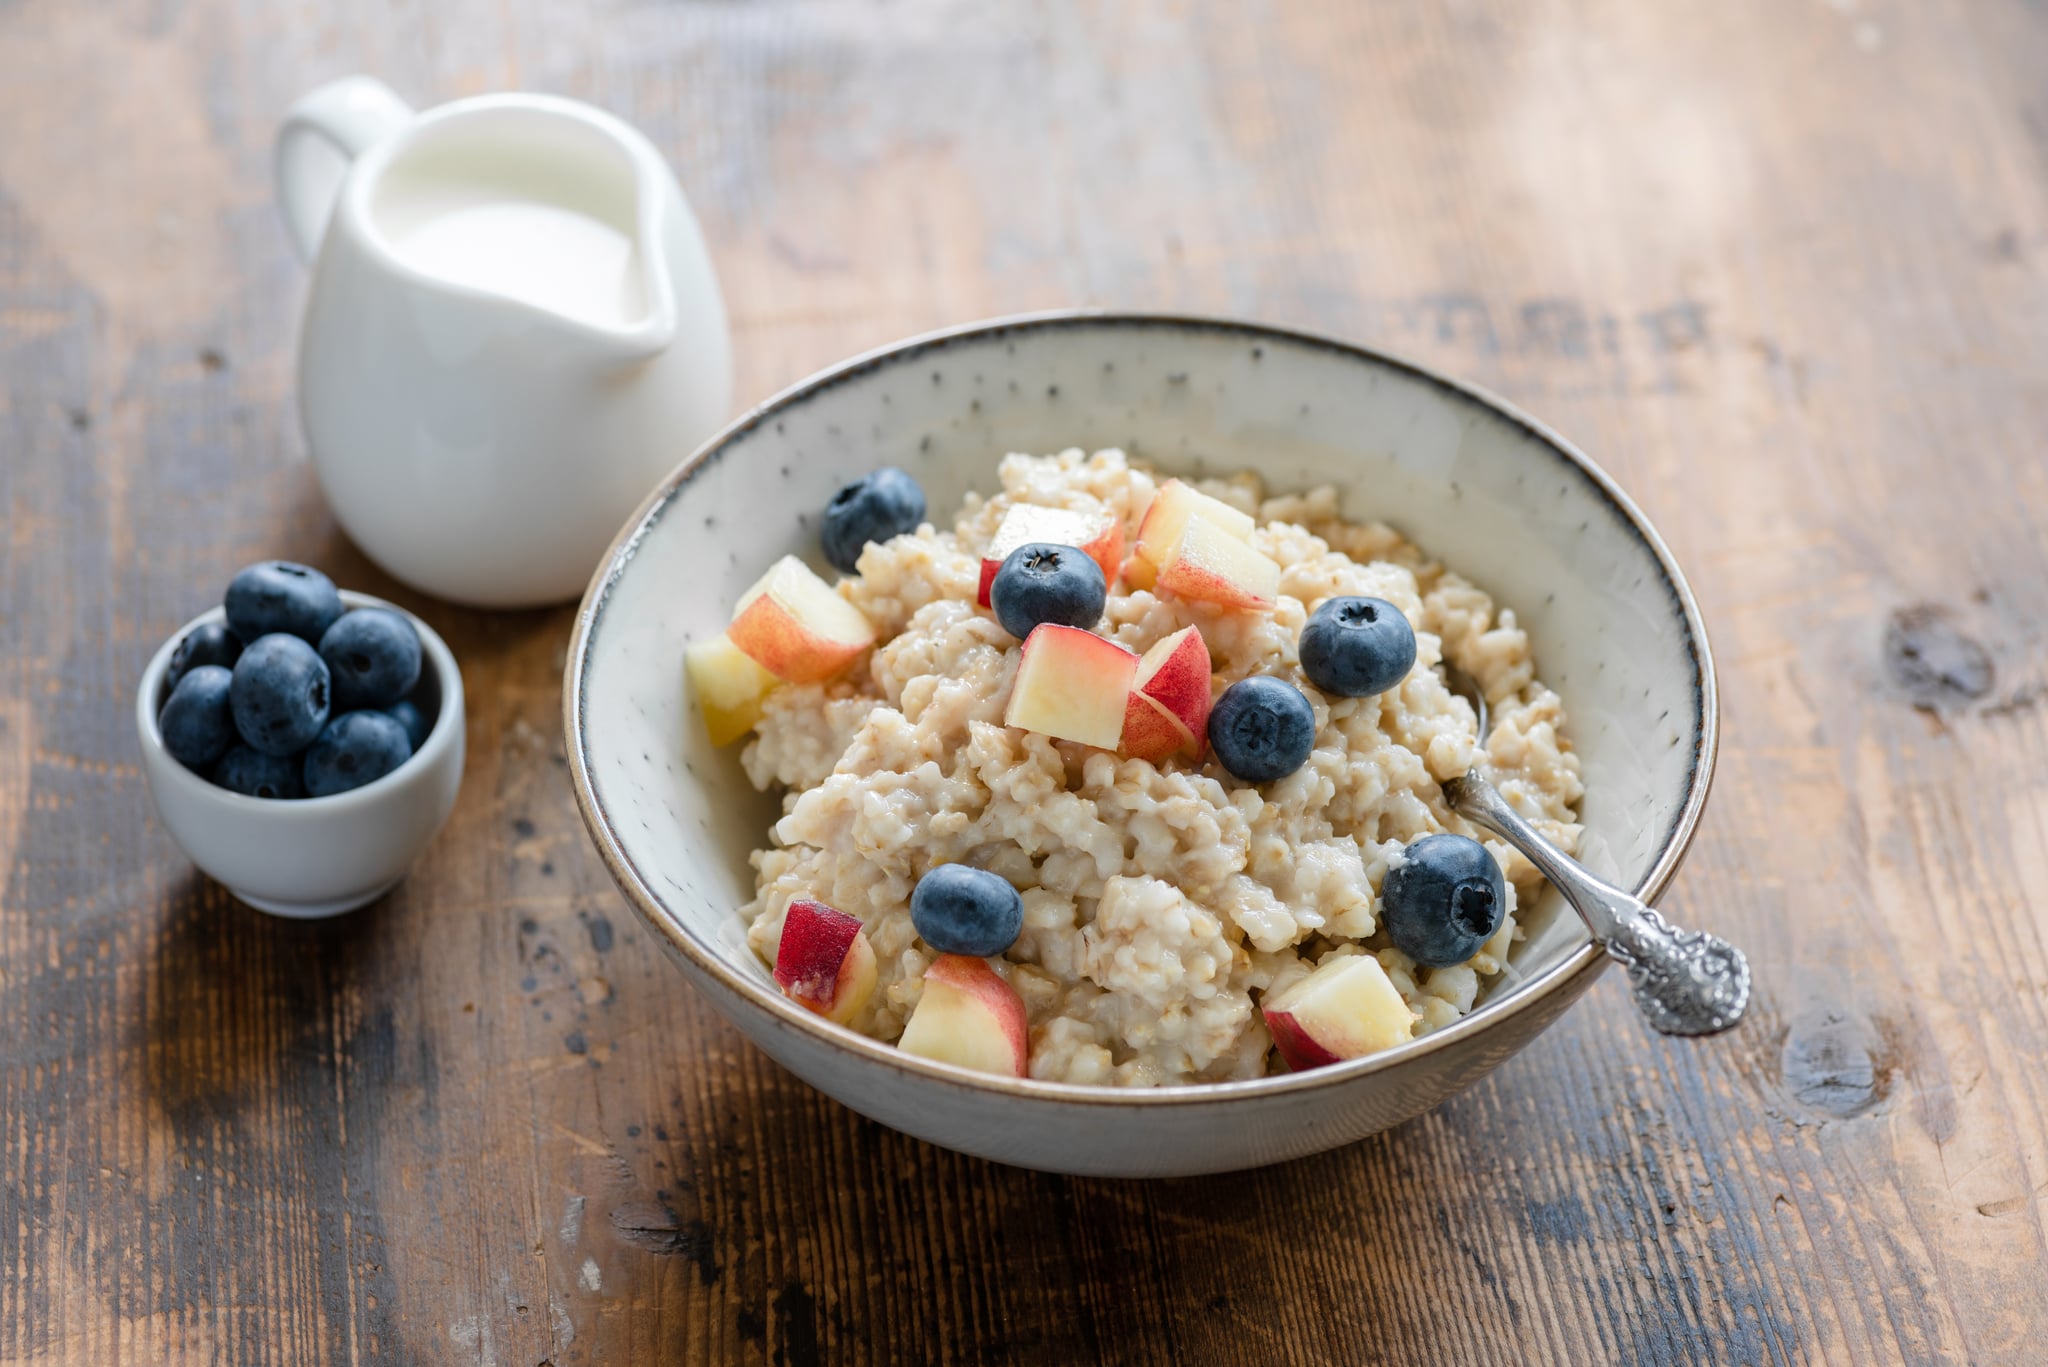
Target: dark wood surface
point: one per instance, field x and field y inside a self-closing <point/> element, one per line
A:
<point x="1781" y="266"/>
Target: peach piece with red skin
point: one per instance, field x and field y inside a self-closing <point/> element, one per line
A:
<point x="967" y="1015"/>
<point x="1073" y="685"/>
<point x="1212" y="566"/>
<point x="1175" y="673"/>
<point x="1099" y="536"/>
<point x="824" y="963"/>
<point x="1346" y="1008"/>
<point x="794" y="626"/>
<point x="1167" y="515"/>
<point x="1150" y="732"/>
<point x="1296" y="1047"/>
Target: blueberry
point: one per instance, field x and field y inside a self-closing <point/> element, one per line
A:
<point x="277" y="595"/>
<point x="356" y="748"/>
<point x="373" y="655"/>
<point x="207" y="644"/>
<point x="1042" y="582"/>
<point x="255" y="774"/>
<point x="1442" y="900"/>
<point x="197" y="722"/>
<point x="1356" y="647"/>
<point x="1262" y="728"/>
<point x="963" y="910"/>
<point x="281" y="694"/>
<point x="407" y="713"/>
<point x="874" y="507"/>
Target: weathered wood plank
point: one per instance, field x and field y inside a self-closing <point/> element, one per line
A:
<point x="1783" y="269"/>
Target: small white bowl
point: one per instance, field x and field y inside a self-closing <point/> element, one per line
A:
<point x="316" y="856"/>
<point x="1493" y="492"/>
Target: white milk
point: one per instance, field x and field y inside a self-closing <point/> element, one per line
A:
<point x="524" y="247"/>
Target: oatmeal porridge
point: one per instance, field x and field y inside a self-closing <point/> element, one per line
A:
<point x="1176" y="748"/>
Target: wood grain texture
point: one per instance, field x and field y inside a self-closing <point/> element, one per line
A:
<point x="1782" y="267"/>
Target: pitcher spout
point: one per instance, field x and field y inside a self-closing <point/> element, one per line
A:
<point x="644" y="340"/>
<point x="545" y="206"/>
<point x="646" y="323"/>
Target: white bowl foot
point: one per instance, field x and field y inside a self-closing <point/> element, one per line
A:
<point x="313" y="911"/>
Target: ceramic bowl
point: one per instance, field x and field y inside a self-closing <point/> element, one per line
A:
<point x="1492" y="492"/>
<point x="316" y="856"/>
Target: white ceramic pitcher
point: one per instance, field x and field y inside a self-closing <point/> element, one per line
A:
<point x="513" y="333"/>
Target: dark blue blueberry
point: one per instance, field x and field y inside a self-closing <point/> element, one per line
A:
<point x="373" y="656"/>
<point x="197" y="723"/>
<point x="1262" y="728"/>
<point x="255" y="774"/>
<point x="277" y="595"/>
<point x="281" y="694"/>
<point x="874" y="507"/>
<point x="1356" y="647"/>
<point x="1042" y="582"/>
<point x="407" y="713"/>
<point x="356" y="748"/>
<point x="1442" y="900"/>
<point x="962" y="910"/>
<point x="207" y="644"/>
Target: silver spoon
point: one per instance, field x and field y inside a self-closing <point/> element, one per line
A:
<point x="1686" y="982"/>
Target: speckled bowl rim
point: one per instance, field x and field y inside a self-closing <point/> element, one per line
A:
<point x="779" y="1010"/>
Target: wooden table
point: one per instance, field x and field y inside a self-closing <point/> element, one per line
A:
<point x="1782" y="267"/>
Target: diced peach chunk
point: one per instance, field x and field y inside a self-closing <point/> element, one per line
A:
<point x="1212" y="566"/>
<point x="1345" y="1009"/>
<point x="1174" y="673"/>
<point x="1150" y="731"/>
<point x="1099" y="536"/>
<point x="1073" y="685"/>
<point x="728" y="685"/>
<point x="793" y="625"/>
<point x="1168" y="513"/>
<point x="967" y="1015"/>
<point x="824" y="963"/>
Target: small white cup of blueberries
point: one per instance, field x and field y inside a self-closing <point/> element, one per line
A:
<point x="302" y="743"/>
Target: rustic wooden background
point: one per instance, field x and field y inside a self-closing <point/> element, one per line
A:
<point x="1781" y="265"/>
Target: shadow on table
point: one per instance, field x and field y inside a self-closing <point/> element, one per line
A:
<point x="904" y="1251"/>
<point x="246" y="1010"/>
<point x="267" y="1061"/>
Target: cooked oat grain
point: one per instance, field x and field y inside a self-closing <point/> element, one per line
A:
<point x="1160" y="904"/>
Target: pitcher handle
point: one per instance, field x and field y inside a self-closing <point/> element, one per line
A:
<point x="326" y="130"/>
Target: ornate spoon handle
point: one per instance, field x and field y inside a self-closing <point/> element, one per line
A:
<point x="1686" y="982"/>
